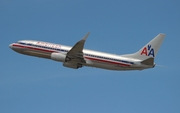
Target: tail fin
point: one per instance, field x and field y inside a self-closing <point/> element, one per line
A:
<point x="149" y="50"/>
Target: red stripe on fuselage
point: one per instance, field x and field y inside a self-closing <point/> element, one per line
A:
<point x="90" y="58"/>
<point x="106" y="61"/>
<point x="33" y="48"/>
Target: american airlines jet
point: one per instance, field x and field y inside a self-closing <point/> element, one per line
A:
<point x="76" y="57"/>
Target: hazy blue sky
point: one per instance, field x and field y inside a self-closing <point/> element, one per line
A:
<point x="36" y="85"/>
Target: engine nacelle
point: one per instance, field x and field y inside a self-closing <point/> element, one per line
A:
<point x="58" y="57"/>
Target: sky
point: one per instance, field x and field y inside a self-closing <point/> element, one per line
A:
<point x="35" y="85"/>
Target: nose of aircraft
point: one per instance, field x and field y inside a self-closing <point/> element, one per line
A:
<point x="10" y="45"/>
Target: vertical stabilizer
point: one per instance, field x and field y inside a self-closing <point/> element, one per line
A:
<point x="149" y="50"/>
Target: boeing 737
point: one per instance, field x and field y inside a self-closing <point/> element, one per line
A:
<point x="76" y="57"/>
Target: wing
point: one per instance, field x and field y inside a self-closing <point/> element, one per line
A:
<point x="75" y="56"/>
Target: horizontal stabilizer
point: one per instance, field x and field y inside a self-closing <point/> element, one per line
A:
<point x="149" y="61"/>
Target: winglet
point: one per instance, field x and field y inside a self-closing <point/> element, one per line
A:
<point x="85" y="37"/>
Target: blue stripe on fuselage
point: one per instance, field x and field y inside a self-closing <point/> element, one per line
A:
<point x="90" y="55"/>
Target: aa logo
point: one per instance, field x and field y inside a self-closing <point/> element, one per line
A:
<point x="148" y="51"/>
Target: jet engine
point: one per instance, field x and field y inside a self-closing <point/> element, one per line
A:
<point x="58" y="57"/>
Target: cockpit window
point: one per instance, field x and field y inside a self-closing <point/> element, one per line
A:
<point x="21" y="42"/>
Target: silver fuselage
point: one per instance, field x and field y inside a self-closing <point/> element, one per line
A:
<point x="92" y="58"/>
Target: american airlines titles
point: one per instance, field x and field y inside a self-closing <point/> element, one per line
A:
<point x="49" y="45"/>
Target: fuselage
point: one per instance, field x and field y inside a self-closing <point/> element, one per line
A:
<point x="92" y="58"/>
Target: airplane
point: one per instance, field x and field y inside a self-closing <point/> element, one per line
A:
<point x="76" y="56"/>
